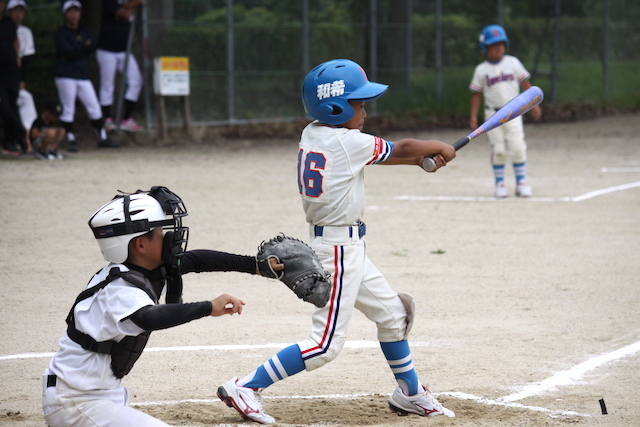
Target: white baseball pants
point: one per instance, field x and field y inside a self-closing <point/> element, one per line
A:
<point x="357" y="283"/>
<point x="69" y="90"/>
<point x="63" y="406"/>
<point x="507" y="141"/>
<point x="112" y="62"/>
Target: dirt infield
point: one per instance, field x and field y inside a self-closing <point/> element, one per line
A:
<point x="528" y="310"/>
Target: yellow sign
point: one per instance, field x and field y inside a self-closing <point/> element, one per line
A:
<point x="174" y="63"/>
<point x="171" y="77"/>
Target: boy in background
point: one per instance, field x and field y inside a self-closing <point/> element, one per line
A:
<point x="499" y="79"/>
<point x="46" y="133"/>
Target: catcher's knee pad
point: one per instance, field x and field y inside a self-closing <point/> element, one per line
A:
<point x="318" y="356"/>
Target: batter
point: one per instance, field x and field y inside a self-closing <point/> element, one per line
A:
<point x="333" y="153"/>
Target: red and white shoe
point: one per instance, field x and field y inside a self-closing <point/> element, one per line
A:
<point x="423" y="404"/>
<point x="130" y="125"/>
<point x="246" y="401"/>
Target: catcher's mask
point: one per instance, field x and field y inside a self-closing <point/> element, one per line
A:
<point x="328" y="88"/>
<point x="131" y="215"/>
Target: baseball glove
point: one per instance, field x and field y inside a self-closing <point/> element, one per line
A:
<point x="302" y="273"/>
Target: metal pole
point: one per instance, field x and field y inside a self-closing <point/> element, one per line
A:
<point x="438" y="49"/>
<point x="306" y="57"/>
<point x="373" y="46"/>
<point x="556" y="51"/>
<point x="605" y="51"/>
<point x="501" y="13"/>
<point x="230" y="63"/>
<point x="409" y="35"/>
<point x="123" y="77"/>
<point x="146" y="65"/>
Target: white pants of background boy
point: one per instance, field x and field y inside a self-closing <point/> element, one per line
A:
<point x="507" y="141"/>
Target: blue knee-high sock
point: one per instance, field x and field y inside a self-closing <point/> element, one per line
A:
<point x="498" y="173"/>
<point x="286" y="363"/>
<point x="398" y="356"/>
<point x="520" y="170"/>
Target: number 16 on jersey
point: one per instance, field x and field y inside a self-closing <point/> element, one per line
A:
<point x="310" y="173"/>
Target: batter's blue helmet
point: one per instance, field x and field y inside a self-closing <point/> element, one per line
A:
<point x="492" y="34"/>
<point x="328" y="88"/>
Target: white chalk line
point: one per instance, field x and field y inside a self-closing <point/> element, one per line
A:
<point x="572" y="375"/>
<point x="621" y="170"/>
<point x="229" y="347"/>
<point x="580" y="198"/>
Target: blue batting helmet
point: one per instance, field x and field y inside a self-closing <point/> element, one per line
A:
<point x="492" y="34"/>
<point x="328" y="88"/>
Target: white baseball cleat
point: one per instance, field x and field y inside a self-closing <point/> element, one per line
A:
<point x="501" y="191"/>
<point x="423" y="404"/>
<point x="523" y="190"/>
<point x="246" y="401"/>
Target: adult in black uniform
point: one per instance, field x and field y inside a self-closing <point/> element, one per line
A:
<point x="14" y="133"/>
<point x="111" y="55"/>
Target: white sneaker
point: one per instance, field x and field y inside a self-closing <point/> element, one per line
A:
<point x="246" y="401"/>
<point x="131" y="125"/>
<point x="523" y="190"/>
<point x="423" y="404"/>
<point x="501" y="190"/>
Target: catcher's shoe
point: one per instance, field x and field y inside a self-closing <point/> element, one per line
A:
<point x="423" y="404"/>
<point x="246" y="401"/>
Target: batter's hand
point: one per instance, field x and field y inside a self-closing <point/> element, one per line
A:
<point x="438" y="160"/>
<point x="226" y="304"/>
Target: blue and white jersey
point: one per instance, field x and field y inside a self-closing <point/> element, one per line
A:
<point x="499" y="82"/>
<point x="331" y="163"/>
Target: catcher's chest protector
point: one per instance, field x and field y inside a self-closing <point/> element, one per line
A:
<point x="124" y="354"/>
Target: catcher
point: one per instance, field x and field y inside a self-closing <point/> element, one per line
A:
<point x="143" y="238"/>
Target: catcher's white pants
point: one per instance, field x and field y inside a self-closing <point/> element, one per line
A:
<point x="357" y="283"/>
<point x="69" y="90"/>
<point x="63" y="406"/>
<point x="507" y="141"/>
<point x="112" y="62"/>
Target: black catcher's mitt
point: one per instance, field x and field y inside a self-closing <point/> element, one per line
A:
<point x="302" y="273"/>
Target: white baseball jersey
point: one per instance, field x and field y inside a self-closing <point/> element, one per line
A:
<point x="100" y="316"/>
<point x="500" y="82"/>
<point x="331" y="163"/>
<point x="25" y="37"/>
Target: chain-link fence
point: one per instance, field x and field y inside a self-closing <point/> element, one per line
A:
<point x="248" y="58"/>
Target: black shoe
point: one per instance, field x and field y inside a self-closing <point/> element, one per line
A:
<point x="72" y="146"/>
<point x="107" y="143"/>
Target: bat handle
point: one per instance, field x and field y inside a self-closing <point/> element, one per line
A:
<point x="429" y="164"/>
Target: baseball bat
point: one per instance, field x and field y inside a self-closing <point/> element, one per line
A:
<point x="519" y="105"/>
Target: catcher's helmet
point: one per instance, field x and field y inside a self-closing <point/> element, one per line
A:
<point x="492" y="34"/>
<point x="131" y="215"/>
<point x="327" y="89"/>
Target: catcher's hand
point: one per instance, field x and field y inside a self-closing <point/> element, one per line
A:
<point x="302" y="273"/>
